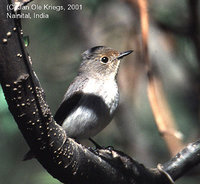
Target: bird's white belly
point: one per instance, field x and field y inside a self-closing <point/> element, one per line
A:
<point x="84" y="123"/>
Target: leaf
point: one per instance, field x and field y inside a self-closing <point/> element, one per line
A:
<point x="26" y="41"/>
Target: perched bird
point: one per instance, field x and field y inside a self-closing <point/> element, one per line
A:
<point x="92" y="98"/>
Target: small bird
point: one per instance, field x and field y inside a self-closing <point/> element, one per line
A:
<point x="92" y="98"/>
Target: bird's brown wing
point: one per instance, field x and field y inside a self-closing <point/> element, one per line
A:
<point x="71" y="99"/>
<point x="66" y="107"/>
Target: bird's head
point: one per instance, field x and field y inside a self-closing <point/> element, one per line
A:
<point x="101" y="61"/>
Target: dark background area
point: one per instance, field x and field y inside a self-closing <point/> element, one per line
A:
<point x="56" y="45"/>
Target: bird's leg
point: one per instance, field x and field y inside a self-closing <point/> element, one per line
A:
<point x="96" y="144"/>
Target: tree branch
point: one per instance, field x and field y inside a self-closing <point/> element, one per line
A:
<point x="183" y="161"/>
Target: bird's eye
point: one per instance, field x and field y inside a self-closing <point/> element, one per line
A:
<point x="104" y="59"/>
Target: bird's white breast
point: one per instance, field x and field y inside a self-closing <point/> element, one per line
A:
<point x="106" y="89"/>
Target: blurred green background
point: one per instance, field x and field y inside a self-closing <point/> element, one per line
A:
<point x="55" y="47"/>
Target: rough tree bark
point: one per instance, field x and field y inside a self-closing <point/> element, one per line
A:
<point x="61" y="156"/>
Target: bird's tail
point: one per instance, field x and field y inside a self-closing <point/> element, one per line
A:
<point x="28" y="156"/>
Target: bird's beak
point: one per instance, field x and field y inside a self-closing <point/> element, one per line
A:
<point x="126" y="53"/>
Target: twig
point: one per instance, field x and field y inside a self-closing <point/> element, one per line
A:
<point x="162" y="114"/>
<point x="158" y="102"/>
